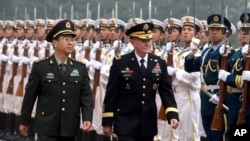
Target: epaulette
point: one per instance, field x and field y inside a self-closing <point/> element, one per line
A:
<point x="118" y="57"/>
<point x="163" y="58"/>
<point x="39" y="60"/>
<point x="77" y="61"/>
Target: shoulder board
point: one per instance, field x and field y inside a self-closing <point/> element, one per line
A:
<point x="162" y="58"/>
<point x="40" y="60"/>
<point x="77" y="61"/>
<point x="118" y="57"/>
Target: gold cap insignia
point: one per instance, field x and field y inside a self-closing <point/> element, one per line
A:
<point x="68" y="25"/>
<point x="145" y="27"/>
<point x="216" y="18"/>
<point x="187" y="20"/>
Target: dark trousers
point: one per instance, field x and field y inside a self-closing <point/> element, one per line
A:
<point x="212" y="135"/>
<point x="55" y="138"/>
<point x="126" y="138"/>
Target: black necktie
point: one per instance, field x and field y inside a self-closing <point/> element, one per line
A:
<point x="143" y="67"/>
<point x="62" y="68"/>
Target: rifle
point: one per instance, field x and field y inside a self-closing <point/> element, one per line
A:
<point x="162" y="114"/>
<point x="218" y="119"/>
<point x="14" y="72"/>
<point x="47" y="50"/>
<point x="245" y="94"/>
<point x="3" y="67"/>
<point x="242" y="113"/>
<point x="19" y="91"/>
<point x="97" y="58"/>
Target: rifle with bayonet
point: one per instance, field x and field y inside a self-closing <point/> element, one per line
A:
<point x="3" y="67"/>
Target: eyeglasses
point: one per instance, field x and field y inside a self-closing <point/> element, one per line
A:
<point x="68" y="39"/>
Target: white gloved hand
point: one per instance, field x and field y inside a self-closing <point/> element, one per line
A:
<point x="86" y="44"/>
<point x="96" y="64"/>
<point x="223" y="75"/>
<point x="169" y="46"/>
<point x="15" y="58"/>
<point x="195" y="43"/>
<point x="214" y="99"/>
<point x="245" y="49"/>
<point x="97" y="44"/>
<point x="25" y="60"/>
<point x="86" y="62"/>
<point x="4" y="58"/>
<point x="246" y="75"/>
<point x="117" y="43"/>
<point x="222" y="50"/>
<point x="171" y="71"/>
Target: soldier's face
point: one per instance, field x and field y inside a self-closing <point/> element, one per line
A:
<point x="20" y="32"/>
<point x="9" y="32"/>
<point x="156" y="35"/>
<point x="242" y="37"/>
<point x="215" y="35"/>
<point x="113" y="35"/>
<point x="40" y="31"/>
<point x="175" y="34"/>
<point x="104" y="34"/>
<point x="142" y="47"/>
<point x="188" y="33"/>
<point x="84" y="33"/>
<point x="64" y="44"/>
<point x="203" y="37"/>
<point x="77" y="32"/>
<point x="30" y="32"/>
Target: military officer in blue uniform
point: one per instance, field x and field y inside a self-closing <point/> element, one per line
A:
<point x="129" y="103"/>
<point x="209" y="63"/>
<point x="61" y="85"/>
<point x="233" y="76"/>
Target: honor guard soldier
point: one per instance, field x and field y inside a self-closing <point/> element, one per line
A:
<point x="88" y="30"/>
<point x="129" y="106"/>
<point x="158" y="36"/>
<point x="209" y="63"/>
<point x="186" y="85"/>
<point x="233" y="77"/>
<point x="11" y="58"/>
<point x="50" y="23"/>
<point x="204" y="35"/>
<point x="78" y="39"/>
<point x="62" y="85"/>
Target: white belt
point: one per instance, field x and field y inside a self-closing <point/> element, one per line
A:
<point x="234" y="90"/>
<point x="212" y="87"/>
<point x="178" y="89"/>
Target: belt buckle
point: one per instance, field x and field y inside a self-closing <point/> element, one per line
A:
<point x="240" y="98"/>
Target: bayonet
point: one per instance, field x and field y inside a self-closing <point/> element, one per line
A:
<point x="149" y="9"/>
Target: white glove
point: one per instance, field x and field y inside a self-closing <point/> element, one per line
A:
<point x="195" y="43"/>
<point x="222" y="49"/>
<point x="97" y="44"/>
<point x="117" y="43"/>
<point x="214" y="99"/>
<point x="86" y="44"/>
<point x="245" y="49"/>
<point x="246" y="75"/>
<point x="96" y="64"/>
<point x="223" y="75"/>
<point x="4" y="58"/>
<point x="171" y="71"/>
<point x="86" y="62"/>
<point x="25" y="60"/>
<point x="15" y="58"/>
<point x="169" y="46"/>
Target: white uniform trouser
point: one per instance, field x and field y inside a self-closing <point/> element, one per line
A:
<point x="189" y="105"/>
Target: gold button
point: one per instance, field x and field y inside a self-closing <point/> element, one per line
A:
<point x="118" y="110"/>
<point x="76" y="81"/>
<point x="143" y="86"/>
<point x="63" y="100"/>
<point x="49" y="81"/>
<point x="142" y="102"/>
<point x="64" y="83"/>
<point x="143" y="94"/>
<point x="144" y="79"/>
<point x="63" y="92"/>
<point x="63" y="109"/>
<point x="42" y="113"/>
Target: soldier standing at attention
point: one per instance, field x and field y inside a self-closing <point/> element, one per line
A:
<point x="129" y="104"/>
<point x="61" y="85"/>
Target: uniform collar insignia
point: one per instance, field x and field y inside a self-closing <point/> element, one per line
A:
<point x="51" y="61"/>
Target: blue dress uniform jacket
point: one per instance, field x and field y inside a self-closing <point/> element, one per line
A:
<point x="60" y="98"/>
<point x="129" y="104"/>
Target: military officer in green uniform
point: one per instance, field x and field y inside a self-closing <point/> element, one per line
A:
<point x="61" y="85"/>
<point x="129" y="103"/>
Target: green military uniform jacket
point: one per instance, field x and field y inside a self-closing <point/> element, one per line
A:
<point x="61" y="99"/>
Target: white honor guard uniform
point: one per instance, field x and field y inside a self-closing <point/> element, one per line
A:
<point x="186" y="87"/>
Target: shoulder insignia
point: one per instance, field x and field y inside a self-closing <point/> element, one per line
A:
<point x="162" y="58"/>
<point x="118" y="57"/>
<point x="39" y="60"/>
